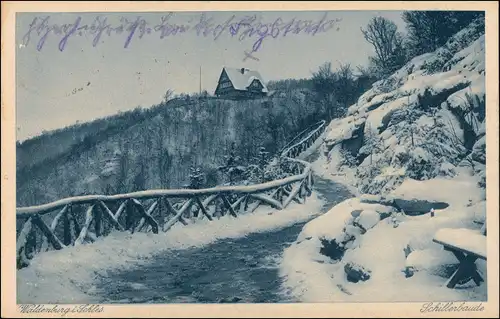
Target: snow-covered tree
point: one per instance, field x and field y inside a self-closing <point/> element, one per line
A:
<point x="347" y="159"/>
<point x="232" y="168"/>
<point x="372" y="143"/>
<point x="196" y="178"/>
<point x="255" y="172"/>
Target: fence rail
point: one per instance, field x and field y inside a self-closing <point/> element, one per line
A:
<point x="82" y="219"/>
<point x="303" y="140"/>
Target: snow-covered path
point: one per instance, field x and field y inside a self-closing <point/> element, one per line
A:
<point x="229" y="270"/>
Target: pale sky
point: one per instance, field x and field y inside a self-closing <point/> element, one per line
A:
<point x="81" y="83"/>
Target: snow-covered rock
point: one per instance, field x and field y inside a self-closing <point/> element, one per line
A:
<point x="368" y="219"/>
<point x="478" y="153"/>
<point x="421" y="122"/>
<point x="435" y="261"/>
<point x="343" y="129"/>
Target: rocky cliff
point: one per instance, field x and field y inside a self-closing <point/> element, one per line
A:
<point x="425" y="120"/>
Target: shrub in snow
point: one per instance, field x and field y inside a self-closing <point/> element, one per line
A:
<point x="347" y="159"/>
<point x="279" y="168"/>
<point x="196" y="178"/>
<point x="356" y="273"/>
<point x="420" y="165"/>
<point x="232" y="168"/>
<point x="446" y="169"/>
<point x="380" y="184"/>
<point x="372" y="143"/>
<point x="444" y="140"/>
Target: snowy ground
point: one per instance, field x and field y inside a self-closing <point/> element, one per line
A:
<point x="313" y="277"/>
<point x="329" y="170"/>
<point x="55" y="275"/>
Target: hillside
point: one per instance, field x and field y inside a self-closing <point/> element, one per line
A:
<point x="155" y="148"/>
<point x="413" y="146"/>
<point x="423" y="121"/>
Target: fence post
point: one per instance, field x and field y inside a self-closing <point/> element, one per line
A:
<point x="129" y="216"/>
<point x="97" y="219"/>
<point x="67" y="228"/>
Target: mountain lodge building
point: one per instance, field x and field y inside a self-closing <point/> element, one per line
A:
<point x="240" y="84"/>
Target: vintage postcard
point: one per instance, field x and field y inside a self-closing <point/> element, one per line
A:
<point x="237" y="159"/>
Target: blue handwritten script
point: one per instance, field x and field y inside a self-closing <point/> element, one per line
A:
<point x="241" y="28"/>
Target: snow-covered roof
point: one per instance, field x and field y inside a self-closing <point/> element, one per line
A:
<point x="241" y="81"/>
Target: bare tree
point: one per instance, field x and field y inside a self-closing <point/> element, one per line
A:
<point x="383" y="34"/>
<point x="324" y="85"/>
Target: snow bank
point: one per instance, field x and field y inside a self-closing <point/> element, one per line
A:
<point x="457" y="192"/>
<point x="67" y="276"/>
<point x="313" y="277"/>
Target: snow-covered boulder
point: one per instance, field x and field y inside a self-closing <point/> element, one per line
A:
<point x="343" y="129"/>
<point x="479" y="150"/>
<point x="367" y="219"/>
<point x="435" y="261"/>
<point x="338" y="230"/>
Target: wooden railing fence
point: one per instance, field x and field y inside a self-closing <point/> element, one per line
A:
<point x="82" y="219"/>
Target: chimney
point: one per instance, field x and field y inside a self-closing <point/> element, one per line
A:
<point x="242" y="70"/>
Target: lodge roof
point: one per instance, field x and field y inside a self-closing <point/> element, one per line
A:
<point x="241" y="81"/>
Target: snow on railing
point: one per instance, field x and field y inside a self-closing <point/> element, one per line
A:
<point x="81" y="219"/>
<point x="311" y="134"/>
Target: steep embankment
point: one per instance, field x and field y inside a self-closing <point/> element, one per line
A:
<point x="155" y="148"/>
<point x="424" y="121"/>
<point x="415" y="142"/>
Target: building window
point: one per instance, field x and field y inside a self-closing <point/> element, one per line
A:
<point x="255" y="84"/>
<point x="225" y="85"/>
